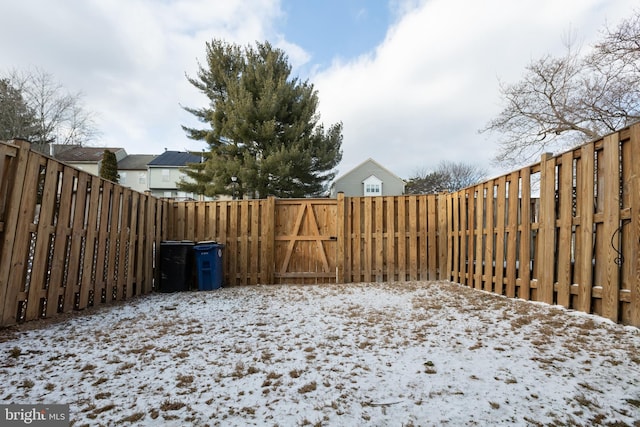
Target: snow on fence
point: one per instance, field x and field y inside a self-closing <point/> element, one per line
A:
<point x="68" y="239"/>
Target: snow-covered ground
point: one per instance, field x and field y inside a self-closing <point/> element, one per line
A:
<point x="367" y="354"/>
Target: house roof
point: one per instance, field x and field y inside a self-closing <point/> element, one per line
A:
<point x="84" y="154"/>
<point x="369" y="160"/>
<point x="174" y="158"/>
<point x="136" y="161"/>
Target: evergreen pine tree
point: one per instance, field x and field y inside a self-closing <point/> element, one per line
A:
<point x="109" y="166"/>
<point x="264" y="129"/>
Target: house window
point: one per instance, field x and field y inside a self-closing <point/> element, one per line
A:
<point x="372" y="189"/>
<point x="166" y="173"/>
<point x="142" y="178"/>
<point x="372" y="186"/>
<point x="123" y="178"/>
<point x="167" y="194"/>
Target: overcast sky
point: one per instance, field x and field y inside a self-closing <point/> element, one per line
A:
<point x="412" y="81"/>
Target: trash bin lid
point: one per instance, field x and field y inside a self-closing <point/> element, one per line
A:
<point x="207" y="246"/>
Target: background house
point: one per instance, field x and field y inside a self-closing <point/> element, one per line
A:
<point x="133" y="171"/>
<point x="165" y="173"/>
<point x="369" y="178"/>
<point x="87" y="159"/>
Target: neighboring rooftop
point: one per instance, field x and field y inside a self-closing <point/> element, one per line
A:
<point x="136" y="161"/>
<point x="82" y="154"/>
<point x="175" y="158"/>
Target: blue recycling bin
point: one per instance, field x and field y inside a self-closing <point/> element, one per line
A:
<point x="209" y="265"/>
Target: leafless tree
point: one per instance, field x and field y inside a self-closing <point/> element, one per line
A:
<point x="448" y="176"/>
<point x="58" y="115"/>
<point x="564" y="101"/>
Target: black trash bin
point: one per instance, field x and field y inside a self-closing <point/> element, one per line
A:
<point x="209" y="265"/>
<point x="176" y="265"/>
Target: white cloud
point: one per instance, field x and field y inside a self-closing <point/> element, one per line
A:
<point x="415" y="100"/>
<point x="423" y="94"/>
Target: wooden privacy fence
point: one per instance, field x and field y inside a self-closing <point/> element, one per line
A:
<point x="575" y="244"/>
<point x="563" y="231"/>
<point x="68" y="239"/>
<point x="318" y="240"/>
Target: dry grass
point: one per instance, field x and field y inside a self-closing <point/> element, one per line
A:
<point x="348" y="360"/>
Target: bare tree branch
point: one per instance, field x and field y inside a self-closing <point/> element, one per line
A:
<point x="564" y="101"/>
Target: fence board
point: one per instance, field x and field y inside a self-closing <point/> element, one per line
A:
<point x="585" y="207"/>
<point x="564" y="246"/>
<point x="19" y="254"/>
<point x="390" y="231"/>
<point x="500" y="235"/>
<point x="488" y="237"/>
<point x="634" y="229"/>
<point x="512" y="233"/>
<point x="545" y="254"/>
<point x="611" y="209"/>
<point x="479" y="237"/>
<point x="379" y="241"/>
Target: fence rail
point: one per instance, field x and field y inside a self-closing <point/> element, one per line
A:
<point x="563" y="231"/>
<point x="68" y="239"/>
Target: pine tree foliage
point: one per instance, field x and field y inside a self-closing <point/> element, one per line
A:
<point x="264" y="129"/>
<point x="109" y="166"/>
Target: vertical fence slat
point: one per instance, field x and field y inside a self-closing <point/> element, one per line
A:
<point x="524" y="265"/>
<point x="512" y="233"/>
<point x="391" y="238"/>
<point x="565" y="193"/>
<point x="611" y="209"/>
<point x="585" y="207"/>
<point x="479" y="230"/>
<point x="439" y="228"/>
<point x="429" y="239"/>
<point x="379" y="244"/>
<point x="500" y="239"/>
<point x="634" y="193"/>
<point x="63" y="233"/>
<point x="466" y="246"/>
<point x="546" y="254"/>
<point x="368" y="237"/>
<point x="413" y="238"/>
<point x="453" y="211"/>
<point x="44" y="229"/>
<point x="87" y="284"/>
<point x="488" y="236"/>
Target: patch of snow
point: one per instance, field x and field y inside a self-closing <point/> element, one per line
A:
<point x="363" y="354"/>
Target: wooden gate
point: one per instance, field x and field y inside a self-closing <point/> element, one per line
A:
<point x="305" y="241"/>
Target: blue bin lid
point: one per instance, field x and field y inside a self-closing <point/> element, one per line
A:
<point x="207" y="246"/>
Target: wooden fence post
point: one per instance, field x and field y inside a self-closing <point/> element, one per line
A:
<point x="444" y="271"/>
<point x="634" y="192"/>
<point x="270" y="239"/>
<point x="546" y="237"/>
<point x="12" y="216"/>
<point x="340" y="235"/>
<point x="585" y="206"/>
<point x="611" y="208"/>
